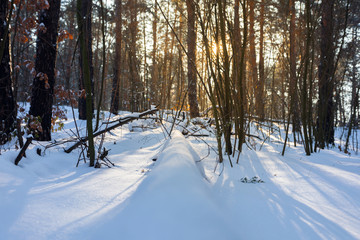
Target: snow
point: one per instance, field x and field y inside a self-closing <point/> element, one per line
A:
<point x="184" y="194"/>
<point x="173" y="202"/>
<point x="302" y="198"/>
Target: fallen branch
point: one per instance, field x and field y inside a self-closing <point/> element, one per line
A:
<point x="121" y="122"/>
<point x="23" y="149"/>
<point x="197" y="135"/>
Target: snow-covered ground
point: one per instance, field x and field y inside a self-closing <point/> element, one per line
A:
<point x="185" y="194"/>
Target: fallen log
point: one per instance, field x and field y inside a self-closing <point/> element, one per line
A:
<point x="121" y="122"/>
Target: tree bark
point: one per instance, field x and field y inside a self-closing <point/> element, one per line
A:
<point x="43" y="83"/>
<point x="165" y="67"/>
<point x="135" y="82"/>
<point x="354" y="92"/>
<point x="7" y="103"/>
<point x="260" y="108"/>
<point x="325" y="125"/>
<point x="239" y="53"/>
<point x="293" y="78"/>
<point x="304" y="95"/>
<point x="154" y="71"/>
<point x="85" y="12"/>
<point x="115" y="93"/>
<point x="191" y="42"/>
<point x="227" y="113"/>
<point x="252" y="56"/>
<point x="70" y="49"/>
<point x="85" y="52"/>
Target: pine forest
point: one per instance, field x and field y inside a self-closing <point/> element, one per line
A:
<point x="239" y="89"/>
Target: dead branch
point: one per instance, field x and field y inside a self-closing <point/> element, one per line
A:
<point x="121" y="122"/>
<point x="198" y="135"/>
<point x="23" y="149"/>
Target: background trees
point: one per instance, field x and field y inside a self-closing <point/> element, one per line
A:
<point x="266" y="60"/>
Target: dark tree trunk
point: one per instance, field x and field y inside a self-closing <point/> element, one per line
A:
<point x="354" y="93"/>
<point x="163" y="69"/>
<point x="260" y="101"/>
<point x="294" y="100"/>
<point x="43" y="83"/>
<point x="7" y="103"/>
<point x="135" y="83"/>
<point x="304" y="95"/>
<point x="85" y="52"/>
<point x="191" y="44"/>
<point x="85" y="11"/>
<point x="154" y="71"/>
<point x="115" y="94"/>
<point x="252" y="56"/>
<point x="325" y="124"/>
<point x="70" y="49"/>
<point x="239" y="46"/>
<point x="228" y="108"/>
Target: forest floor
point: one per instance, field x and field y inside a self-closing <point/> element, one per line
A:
<point x="184" y="194"/>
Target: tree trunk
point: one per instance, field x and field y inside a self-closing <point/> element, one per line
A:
<point x="252" y="56"/>
<point x="70" y="49"/>
<point x="180" y="72"/>
<point x="238" y="63"/>
<point x="260" y="107"/>
<point x="165" y="67"/>
<point x="310" y="99"/>
<point x="7" y="103"/>
<point x="304" y="94"/>
<point x="325" y="124"/>
<point x="154" y="71"/>
<point x="135" y="82"/>
<point x="85" y="12"/>
<point x="103" y="68"/>
<point x="85" y="52"/>
<point x="227" y="114"/>
<point x="43" y="84"/>
<point x="191" y="42"/>
<point x="354" y="92"/>
<point x="115" y="93"/>
<point x="293" y="78"/>
<point x="170" y="74"/>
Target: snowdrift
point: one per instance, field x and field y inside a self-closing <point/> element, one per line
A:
<point x="173" y="202"/>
